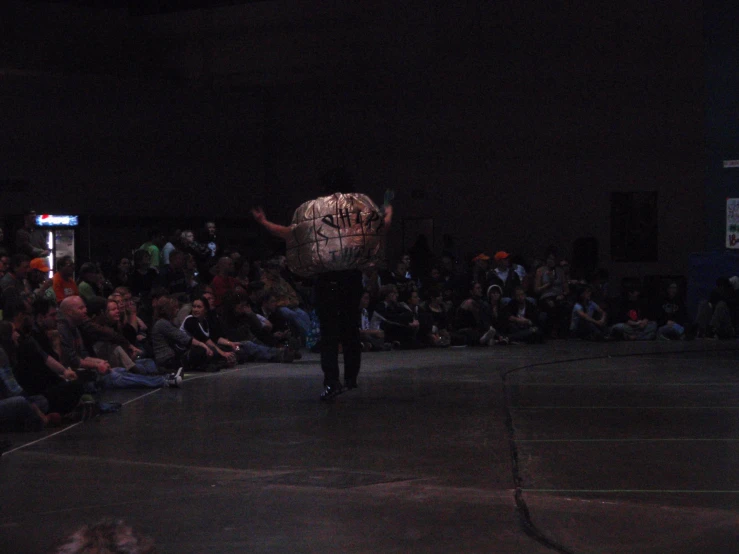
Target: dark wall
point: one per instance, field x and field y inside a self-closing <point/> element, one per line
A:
<point x="509" y="124"/>
<point x="722" y="116"/>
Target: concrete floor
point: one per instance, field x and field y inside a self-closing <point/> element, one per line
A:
<point x="563" y="447"/>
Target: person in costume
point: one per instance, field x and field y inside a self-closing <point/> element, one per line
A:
<point x="333" y="238"/>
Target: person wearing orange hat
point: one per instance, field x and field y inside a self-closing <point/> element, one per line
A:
<point x="503" y="276"/>
<point x="38" y="278"/>
<point x="479" y="269"/>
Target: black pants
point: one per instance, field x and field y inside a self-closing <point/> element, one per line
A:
<point x="337" y="303"/>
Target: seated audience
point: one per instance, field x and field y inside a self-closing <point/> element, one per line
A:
<point x="441" y="321"/>
<point x="90" y="281"/>
<point x="38" y="369"/>
<point x="197" y="325"/>
<point x="480" y="269"/>
<point x="224" y="280"/>
<point x="371" y="335"/>
<point x="504" y="276"/>
<point x="170" y="246"/>
<point x="398" y="323"/>
<point x="122" y="275"/>
<point x="38" y="279"/>
<point x="144" y="277"/>
<point x="173" y="348"/>
<point x="17" y="408"/>
<point x="72" y="316"/>
<point x="715" y="317"/>
<point x="106" y="314"/>
<point x="552" y="290"/>
<point x="495" y="318"/>
<point x="631" y="319"/>
<point x="589" y="321"/>
<point x="30" y="240"/>
<point x="14" y="284"/>
<point x="152" y="246"/>
<point x="172" y="276"/>
<point x="233" y="331"/>
<point x="671" y="314"/>
<point x="286" y="298"/>
<point x="523" y="319"/>
<point x="132" y="326"/>
<point x="470" y="319"/>
<point x="63" y="280"/>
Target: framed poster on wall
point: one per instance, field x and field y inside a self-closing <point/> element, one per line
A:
<point x="732" y="223"/>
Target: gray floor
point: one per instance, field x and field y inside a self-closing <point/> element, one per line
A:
<point x="563" y="447"/>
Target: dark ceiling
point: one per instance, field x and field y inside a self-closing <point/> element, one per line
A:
<point x="150" y="7"/>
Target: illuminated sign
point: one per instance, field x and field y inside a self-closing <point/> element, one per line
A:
<point x="47" y="220"/>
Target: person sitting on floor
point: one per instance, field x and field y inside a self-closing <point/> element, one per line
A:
<point x="470" y="318"/>
<point x="73" y="314"/>
<point x="373" y="338"/>
<point x="232" y="331"/>
<point x="287" y="300"/>
<point x="173" y="347"/>
<point x="495" y="318"/>
<point x="523" y="319"/>
<point x="716" y="315"/>
<point x="441" y="321"/>
<point x="144" y="277"/>
<point x="172" y="276"/>
<point x="106" y="314"/>
<point x="552" y="289"/>
<point x="25" y="412"/>
<point x="504" y="276"/>
<point x="671" y="314"/>
<point x="399" y="325"/>
<point x="63" y="280"/>
<point x="39" y="281"/>
<point x="14" y="283"/>
<point x="632" y="322"/>
<point x="224" y="280"/>
<point x="38" y="369"/>
<point x="197" y="325"/>
<point x="132" y="326"/>
<point x="244" y="350"/>
<point x="90" y="281"/>
<point x="122" y="275"/>
<point x="589" y="321"/>
<point x="276" y="330"/>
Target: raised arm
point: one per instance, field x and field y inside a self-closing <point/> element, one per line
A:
<point x="277" y="230"/>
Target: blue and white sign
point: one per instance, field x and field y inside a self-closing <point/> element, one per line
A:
<point x="48" y="220"/>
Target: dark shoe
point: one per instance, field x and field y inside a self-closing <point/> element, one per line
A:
<point x="331" y="391"/>
<point x="350" y="384"/>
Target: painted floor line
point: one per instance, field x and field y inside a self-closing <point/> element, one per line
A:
<point x="635" y="491"/>
<point x="531" y="408"/>
<point x="624" y="384"/>
<point x="72" y="426"/>
<point x="631" y="440"/>
<point x="134" y="399"/>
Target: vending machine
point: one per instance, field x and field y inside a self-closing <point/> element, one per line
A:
<point x="61" y="235"/>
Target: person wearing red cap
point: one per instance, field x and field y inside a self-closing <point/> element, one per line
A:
<point x="38" y="278"/>
<point x="479" y="269"/>
<point x="503" y="276"/>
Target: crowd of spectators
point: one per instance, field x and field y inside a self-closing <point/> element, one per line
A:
<point x="179" y="304"/>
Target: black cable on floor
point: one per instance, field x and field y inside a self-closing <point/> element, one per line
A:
<point x="529" y="526"/>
